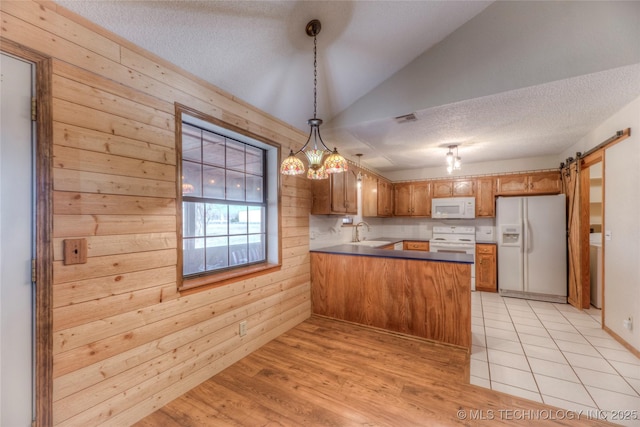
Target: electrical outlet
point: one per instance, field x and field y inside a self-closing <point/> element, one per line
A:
<point x="242" y="328"/>
<point x="628" y="323"/>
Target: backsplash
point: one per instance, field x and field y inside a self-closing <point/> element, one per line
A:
<point x="325" y="230"/>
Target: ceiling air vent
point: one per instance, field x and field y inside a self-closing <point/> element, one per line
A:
<point x="406" y="118"/>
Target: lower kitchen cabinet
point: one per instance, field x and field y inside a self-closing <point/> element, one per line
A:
<point x="410" y="245"/>
<point x="486" y="268"/>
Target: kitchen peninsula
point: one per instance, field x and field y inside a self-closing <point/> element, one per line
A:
<point x="424" y="294"/>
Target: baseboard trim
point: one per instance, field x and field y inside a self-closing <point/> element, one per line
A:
<point x="618" y="338"/>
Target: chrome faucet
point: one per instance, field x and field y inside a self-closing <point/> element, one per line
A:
<point x="357" y="239"/>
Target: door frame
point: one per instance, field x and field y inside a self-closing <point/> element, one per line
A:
<point x="43" y="392"/>
<point x="595" y="157"/>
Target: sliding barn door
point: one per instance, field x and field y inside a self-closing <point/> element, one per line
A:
<point x="571" y="179"/>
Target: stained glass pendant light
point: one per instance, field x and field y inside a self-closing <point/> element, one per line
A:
<point x="334" y="163"/>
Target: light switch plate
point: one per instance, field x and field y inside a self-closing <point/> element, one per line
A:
<point x="607" y="235"/>
<point x="75" y="251"/>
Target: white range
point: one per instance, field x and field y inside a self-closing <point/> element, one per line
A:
<point x="456" y="239"/>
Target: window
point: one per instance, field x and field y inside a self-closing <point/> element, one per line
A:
<point x="229" y="211"/>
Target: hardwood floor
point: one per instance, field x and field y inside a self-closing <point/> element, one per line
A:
<point x="331" y="373"/>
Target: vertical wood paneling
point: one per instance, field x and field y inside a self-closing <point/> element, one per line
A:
<point x="125" y="342"/>
<point x="410" y="296"/>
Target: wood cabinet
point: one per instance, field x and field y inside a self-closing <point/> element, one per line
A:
<point x="336" y="195"/>
<point x="411" y="245"/>
<point x="377" y="197"/>
<point x="369" y="196"/>
<point x="485" y="197"/>
<point x="412" y="199"/>
<point x="385" y="198"/>
<point x="486" y="268"/>
<point x="453" y="188"/>
<point x="528" y="184"/>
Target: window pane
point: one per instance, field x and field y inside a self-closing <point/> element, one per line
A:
<point x="191" y="179"/>
<point x="217" y="253"/>
<point x="235" y="155"/>
<point x="256" y="219"/>
<point x="254" y="160"/>
<point x="192" y="256"/>
<point x="191" y="143"/>
<point x="238" y="250"/>
<point x="235" y="185"/>
<point x="192" y="219"/>
<point x="237" y="219"/>
<point x="256" y="248"/>
<point x="213" y="182"/>
<point x="216" y="173"/>
<point x="213" y="148"/>
<point x="217" y="220"/>
<point x="254" y="188"/>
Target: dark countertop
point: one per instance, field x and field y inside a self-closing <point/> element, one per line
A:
<point x="361" y="250"/>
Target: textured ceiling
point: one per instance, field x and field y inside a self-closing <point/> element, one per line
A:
<point x="257" y="51"/>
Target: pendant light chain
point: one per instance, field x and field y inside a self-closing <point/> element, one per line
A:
<point x="315" y="75"/>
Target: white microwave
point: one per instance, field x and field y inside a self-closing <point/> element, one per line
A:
<point x="453" y="207"/>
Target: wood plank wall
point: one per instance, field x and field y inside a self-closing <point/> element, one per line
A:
<point x="125" y="342"/>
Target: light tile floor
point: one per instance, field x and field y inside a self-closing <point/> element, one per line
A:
<point x="555" y="354"/>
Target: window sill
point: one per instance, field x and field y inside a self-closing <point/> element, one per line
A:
<point x="215" y="280"/>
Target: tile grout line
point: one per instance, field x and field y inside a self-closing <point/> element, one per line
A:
<point x="500" y="304"/>
<point x="521" y="346"/>
<point x="606" y="359"/>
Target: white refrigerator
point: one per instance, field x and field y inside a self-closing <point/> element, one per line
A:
<point x="532" y="247"/>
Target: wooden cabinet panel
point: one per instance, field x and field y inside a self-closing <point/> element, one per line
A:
<point x="545" y="183"/>
<point x="421" y="199"/>
<point x="412" y="199"/>
<point x="512" y="184"/>
<point x="464" y="188"/>
<point x="410" y="245"/>
<point x="442" y="188"/>
<point x="370" y="196"/>
<point x="336" y="195"/>
<point x="486" y="268"/>
<point x="408" y="296"/>
<point x="402" y="199"/>
<point x="385" y="198"/>
<point x="377" y="197"/>
<point x="529" y="184"/>
<point x="485" y="197"/>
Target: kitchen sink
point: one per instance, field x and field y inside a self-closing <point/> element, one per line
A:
<point x="372" y="243"/>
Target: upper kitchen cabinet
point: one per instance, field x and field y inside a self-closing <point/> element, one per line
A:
<point x="412" y="199"/>
<point x="528" y="184"/>
<point x="453" y="188"/>
<point x="336" y="195"/>
<point x="485" y="197"/>
<point x="385" y="198"/>
<point x="377" y="197"/>
<point x="370" y="196"/>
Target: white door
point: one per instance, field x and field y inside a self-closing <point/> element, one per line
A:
<point x="16" y="242"/>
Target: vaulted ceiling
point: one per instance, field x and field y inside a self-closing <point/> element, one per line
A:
<point x="503" y="80"/>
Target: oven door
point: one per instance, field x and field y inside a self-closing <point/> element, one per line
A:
<point x="458" y="248"/>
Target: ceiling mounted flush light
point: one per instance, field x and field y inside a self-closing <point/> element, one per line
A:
<point x="454" y="162"/>
<point x="334" y="163"/>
